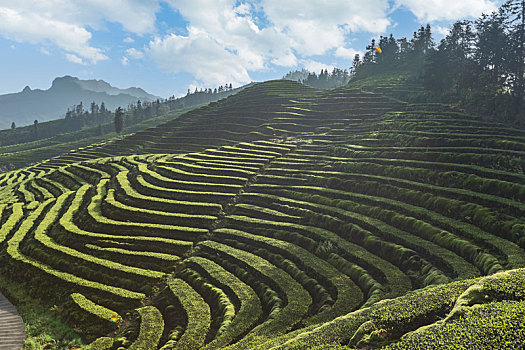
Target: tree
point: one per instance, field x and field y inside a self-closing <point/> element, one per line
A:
<point x="119" y="120"/>
<point x="356" y="63"/>
<point x="35" y="129"/>
<point x="80" y="109"/>
<point x="491" y="44"/>
<point x="94" y="108"/>
<point x="428" y="40"/>
<point x="514" y="12"/>
<point x="456" y="52"/>
<point x="13" y="126"/>
<point x="392" y="49"/>
<point x="421" y="43"/>
<point x="138" y="112"/>
<point x="405" y="48"/>
<point x="370" y="53"/>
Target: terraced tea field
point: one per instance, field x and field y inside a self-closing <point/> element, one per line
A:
<point x="281" y="217"/>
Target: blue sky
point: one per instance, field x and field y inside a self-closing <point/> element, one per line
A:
<point x="168" y="46"/>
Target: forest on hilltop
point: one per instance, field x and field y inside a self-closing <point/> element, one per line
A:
<point x="479" y="64"/>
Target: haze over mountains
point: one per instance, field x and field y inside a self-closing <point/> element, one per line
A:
<point x="26" y="106"/>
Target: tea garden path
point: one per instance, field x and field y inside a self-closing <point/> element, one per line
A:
<point x="12" y="328"/>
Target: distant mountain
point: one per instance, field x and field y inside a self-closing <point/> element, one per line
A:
<point x="26" y="106"/>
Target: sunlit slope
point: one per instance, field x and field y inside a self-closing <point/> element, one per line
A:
<point x="280" y="216"/>
<point x="238" y="118"/>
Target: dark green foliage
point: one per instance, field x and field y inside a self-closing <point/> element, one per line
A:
<point x="151" y="328"/>
<point x="324" y="80"/>
<point x="479" y="64"/>
<point x="119" y="120"/>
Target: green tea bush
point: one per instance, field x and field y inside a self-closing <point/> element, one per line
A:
<point x="151" y="328"/>
<point x="197" y="312"/>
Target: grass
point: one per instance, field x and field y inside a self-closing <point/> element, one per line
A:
<point x="43" y="328"/>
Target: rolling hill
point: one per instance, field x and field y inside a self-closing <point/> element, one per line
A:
<point x="282" y="217"/>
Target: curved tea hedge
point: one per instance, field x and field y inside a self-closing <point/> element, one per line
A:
<point x="282" y="217"/>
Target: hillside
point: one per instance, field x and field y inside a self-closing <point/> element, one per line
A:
<point x="26" y="106"/>
<point x="282" y="217"/>
<point x="21" y="146"/>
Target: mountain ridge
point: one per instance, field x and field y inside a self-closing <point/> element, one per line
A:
<point x="28" y="105"/>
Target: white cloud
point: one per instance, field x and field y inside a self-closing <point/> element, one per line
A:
<point x="67" y="23"/>
<point x="316" y="26"/>
<point x="290" y="60"/>
<point x="316" y="67"/>
<point x="45" y="51"/>
<point x="235" y="30"/>
<point x="441" y="30"/>
<point x="136" y="16"/>
<point x="226" y="39"/>
<point x="200" y="55"/>
<point x="436" y="10"/>
<point x="347" y="53"/>
<point x="134" y="53"/>
<point x="230" y="35"/>
<point x="74" y="58"/>
<point x="243" y="9"/>
<point x="36" y="28"/>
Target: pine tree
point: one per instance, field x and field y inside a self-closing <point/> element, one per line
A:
<point x="35" y="130"/>
<point x="370" y="52"/>
<point x="356" y="63"/>
<point x="13" y="126"/>
<point x="514" y="11"/>
<point x="119" y="120"/>
<point x="490" y="47"/>
<point x="79" y="109"/>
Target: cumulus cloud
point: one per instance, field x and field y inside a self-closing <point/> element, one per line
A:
<point x="135" y="16"/>
<point x="347" y="53"/>
<point x="65" y="23"/>
<point x="36" y="28"/>
<point x="74" y="58"/>
<point x="134" y="53"/>
<point x="291" y="31"/>
<point x="437" y="10"/>
<point x="226" y="39"/>
<point x="316" y="26"/>
<point x="444" y="31"/>
<point x="314" y="66"/>
<point x="199" y="54"/>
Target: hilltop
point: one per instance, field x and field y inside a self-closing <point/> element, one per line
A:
<point x="26" y="106"/>
<point x="282" y="217"/>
